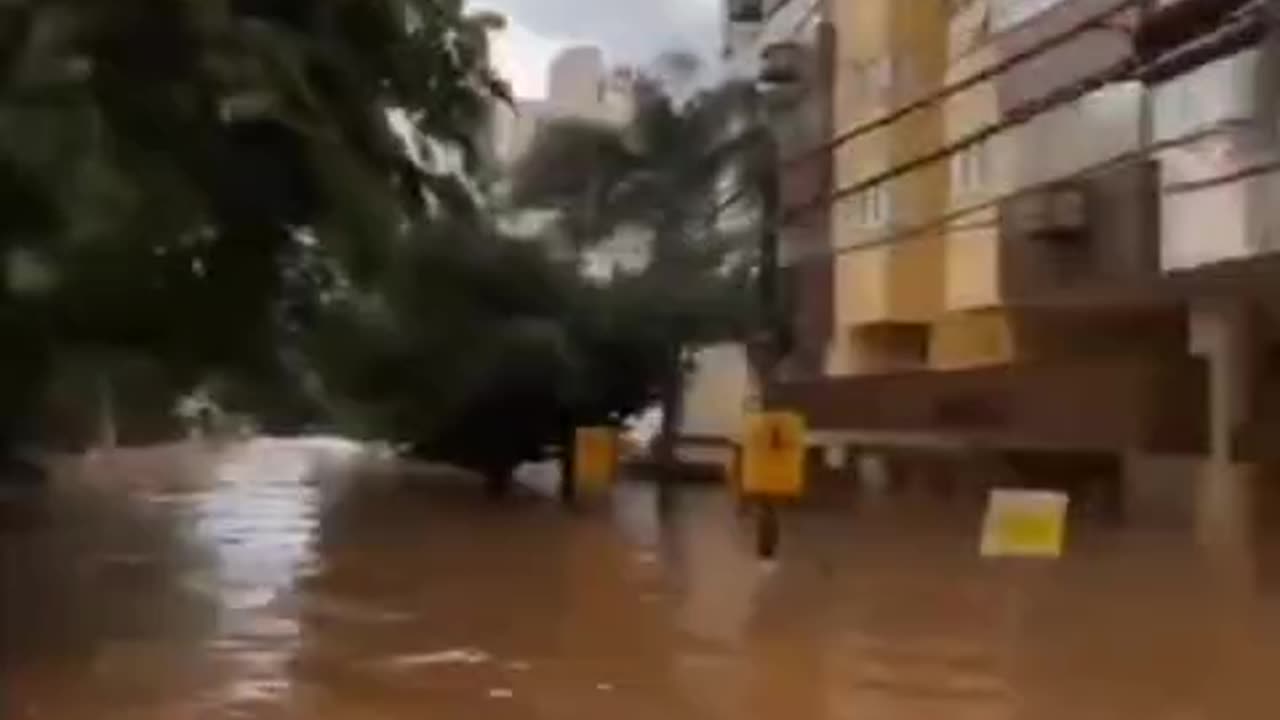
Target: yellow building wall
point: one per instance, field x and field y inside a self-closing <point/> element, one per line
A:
<point x="915" y="282"/>
<point x="971" y="339"/>
<point x="862" y="290"/>
<point x="975" y="331"/>
<point x="972" y="276"/>
<point x="902" y="283"/>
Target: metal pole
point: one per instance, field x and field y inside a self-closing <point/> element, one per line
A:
<point x="768" y="353"/>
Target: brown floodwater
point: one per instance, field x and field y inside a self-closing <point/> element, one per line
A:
<point x="277" y="579"/>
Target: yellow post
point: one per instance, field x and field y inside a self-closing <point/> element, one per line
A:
<point x="773" y="456"/>
<point x="595" y="458"/>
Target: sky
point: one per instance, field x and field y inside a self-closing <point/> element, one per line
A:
<point x="629" y="32"/>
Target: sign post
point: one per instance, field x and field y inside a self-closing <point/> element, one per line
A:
<point x="773" y="460"/>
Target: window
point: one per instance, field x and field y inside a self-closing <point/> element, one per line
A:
<point x="872" y="82"/>
<point x="746" y="11"/>
<point x="1008" y="13"/>
<point x="970" y="169"/>
<point x="872" y="207"/>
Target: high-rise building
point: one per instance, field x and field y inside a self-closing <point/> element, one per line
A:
<point x="579" y="86"/>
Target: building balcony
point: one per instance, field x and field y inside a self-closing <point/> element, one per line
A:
<point x="1154" y="404"/>
<point x="1093" y="243"/>
<point x="890" y="285"/>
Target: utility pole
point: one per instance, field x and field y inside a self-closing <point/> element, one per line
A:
<point x="767" y="352"/>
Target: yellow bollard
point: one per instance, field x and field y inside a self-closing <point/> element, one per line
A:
<point x="596" y="459"/>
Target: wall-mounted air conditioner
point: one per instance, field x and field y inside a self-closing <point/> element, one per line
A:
<point x="1060" y="213"/>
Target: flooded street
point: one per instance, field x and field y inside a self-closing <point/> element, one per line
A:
<point x="270" y="580"/>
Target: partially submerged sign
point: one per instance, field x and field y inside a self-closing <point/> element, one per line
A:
<point x="773" y="455"/>
<point x="1025" y="524"/>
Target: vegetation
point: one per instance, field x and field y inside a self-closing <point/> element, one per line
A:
<point x="191" y="177"/>
<point x="278" y="203"/>
<point x="666" y="175"/>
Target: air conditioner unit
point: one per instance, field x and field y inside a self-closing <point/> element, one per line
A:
<point x="1060" y="213"/>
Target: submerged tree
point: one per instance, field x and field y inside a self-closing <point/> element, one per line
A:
<point x="665" y="173"/>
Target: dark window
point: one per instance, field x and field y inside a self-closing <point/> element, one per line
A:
<point x="746" y="10"/>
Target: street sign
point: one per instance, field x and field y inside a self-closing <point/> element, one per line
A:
<point x="1025" y="524"/>
<point x="595" y="458"/>
<point x="773" y="455"/>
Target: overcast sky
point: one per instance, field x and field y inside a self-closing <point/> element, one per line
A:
<point x="629" y="31"/>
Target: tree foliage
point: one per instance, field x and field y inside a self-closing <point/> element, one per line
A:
<point x="483" y="350"/>
<point x="665" y="173"/>
<point x="277" y="199"/>
<point x="180" y="169"/>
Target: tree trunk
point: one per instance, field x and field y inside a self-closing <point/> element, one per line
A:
<point x="498" y="481"/>
<point x="671" y="399"/>
<point x="568" y="468"/>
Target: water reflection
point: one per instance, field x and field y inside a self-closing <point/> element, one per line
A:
<point x="277" y="580"/>
<point x="258" y="520"/>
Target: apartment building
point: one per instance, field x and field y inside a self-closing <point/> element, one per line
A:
<point x="1057" y="273"/>
<point x="1220" y="211"/>
<point x="1041" y="315"/>
<point x="579" y="85"/>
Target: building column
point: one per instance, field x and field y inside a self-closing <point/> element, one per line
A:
<point x="1222" y="332"/>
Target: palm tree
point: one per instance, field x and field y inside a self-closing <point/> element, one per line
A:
<point x="666" y="172"/>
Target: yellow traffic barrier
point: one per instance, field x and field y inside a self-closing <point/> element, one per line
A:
<point x="1025" y="523"/>
<point x="596" y="459"/>
<point x="773" y="456"/>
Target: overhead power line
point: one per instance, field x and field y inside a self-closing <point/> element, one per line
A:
<point x="1244" y="25"/>
<point x="947" y="221"/>
<point x="1096" y="21"/>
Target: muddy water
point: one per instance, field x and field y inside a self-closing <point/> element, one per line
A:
<point x="270" y="580"/>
